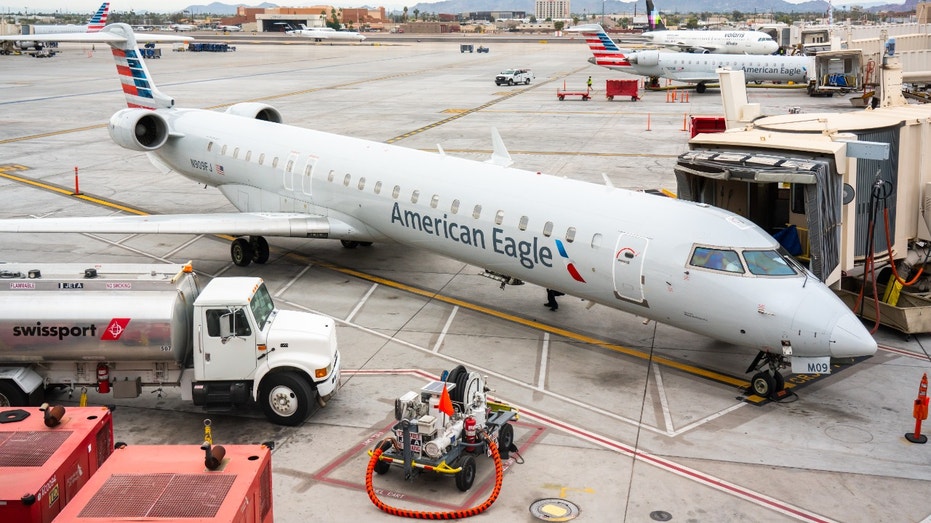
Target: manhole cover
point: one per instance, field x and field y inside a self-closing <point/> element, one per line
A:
<point x="660" y="515"/>
<point x="554" y="509"/>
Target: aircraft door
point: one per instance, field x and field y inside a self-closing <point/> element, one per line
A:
<point x="288" y="174"/>
<point x="629" y="254"/>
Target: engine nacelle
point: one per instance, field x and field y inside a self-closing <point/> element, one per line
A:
<point x="646" y="58"/>
<point x="138" y="129"/>
<point x="256" y="110"/>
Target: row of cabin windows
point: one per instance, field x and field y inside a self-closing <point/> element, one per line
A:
<point x="522" y="224"/>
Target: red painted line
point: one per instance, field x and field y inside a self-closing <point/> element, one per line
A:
<point x="903" y="352"/>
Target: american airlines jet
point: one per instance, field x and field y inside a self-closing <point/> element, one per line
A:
<point x="95" y="24"/>
<point x="326" y="33"/>
<point x="699" y="69"/>
<point x="699" y="268"/>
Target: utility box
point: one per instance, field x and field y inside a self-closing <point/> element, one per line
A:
<point x="172" y="484"/>
<point x="42" y="468"/>
<point x="707" y="124"/>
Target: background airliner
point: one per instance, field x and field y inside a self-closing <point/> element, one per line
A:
<point x="326" y="33"/>
<point x="721" y="42"/>
<point x="95" y="24"/>
<point x="699" y="69"/>
<point x="699" y="268"/>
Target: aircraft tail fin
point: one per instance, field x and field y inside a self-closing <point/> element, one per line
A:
<point x="606" y="52"/>
<point x="653" y="18"/>
<point x="99" y="20"/>
<point x="138" y="87"/>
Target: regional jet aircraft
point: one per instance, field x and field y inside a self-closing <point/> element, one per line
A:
<point x="720" y="42"/>
<point x="699" y="69"/>
<point x="699" y="268"/>
<point x="326" y="33"/>
<point x="95" y="24"/>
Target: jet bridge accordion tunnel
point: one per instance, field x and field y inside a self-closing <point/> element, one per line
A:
<point x="775" y="192"/>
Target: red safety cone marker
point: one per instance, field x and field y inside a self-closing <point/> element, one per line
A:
<point x="920" y="412"/>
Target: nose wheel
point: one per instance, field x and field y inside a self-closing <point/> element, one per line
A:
<point x="768" y="382"/>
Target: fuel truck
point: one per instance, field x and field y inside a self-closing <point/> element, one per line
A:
<point x="119" y="327"/>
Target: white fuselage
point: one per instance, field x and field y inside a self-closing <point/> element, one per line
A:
<point x="624" y="249"/>
<point x="694" y="67"/>
<point x="719" y="42"/>
<point x="326" y="33"/>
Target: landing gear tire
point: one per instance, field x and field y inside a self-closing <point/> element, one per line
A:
<point x="763" y="384"/>
<point x="466" y="476"/>
<point x="700" y="88"/>
<point x="365" y="244"/>
<point x="241" y="252"/>
<point x="779" y="382"/>
<point x="286" y="398"/>
<point x="349" y="244"/>
<point x="382" y="467"/>
<point x="260" y="249"/>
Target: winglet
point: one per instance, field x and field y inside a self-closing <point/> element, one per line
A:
<point x="500" y="155"/>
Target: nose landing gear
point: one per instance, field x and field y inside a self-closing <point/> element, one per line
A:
<point x="768" y="382"/>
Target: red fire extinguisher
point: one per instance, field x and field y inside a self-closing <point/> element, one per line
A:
<point x="469" y="427"/>
<point x="103" y="378"/>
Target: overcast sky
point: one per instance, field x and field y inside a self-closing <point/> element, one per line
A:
<point x="89" y="6"/>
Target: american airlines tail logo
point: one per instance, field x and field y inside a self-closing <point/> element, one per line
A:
<point x="115" y="329"/>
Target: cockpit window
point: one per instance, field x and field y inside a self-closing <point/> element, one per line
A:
<point x="717" y="259"/>
<point x="768" y="263"/>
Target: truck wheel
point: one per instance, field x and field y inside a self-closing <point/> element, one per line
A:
<point x="466" y="476"/>
<point x="11" y="395"/>
<point x="511" y="81"/>
<point x="382" y="466"/>
<point x="285" y="398"/>
<point x="241" y="252"/>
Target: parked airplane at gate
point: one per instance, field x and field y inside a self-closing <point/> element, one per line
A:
<point x="326" y="33"/>
<point x="699" y="69"/>
<point x="720" y="42"/>
<point x="689" y="265"/>
<point x="95" y="24"/>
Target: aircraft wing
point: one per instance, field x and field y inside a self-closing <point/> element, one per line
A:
<point x="99" y="37"/>
<point x="234" y="224"/>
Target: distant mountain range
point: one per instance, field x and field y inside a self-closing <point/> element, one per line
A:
<point x="609" y="6"/>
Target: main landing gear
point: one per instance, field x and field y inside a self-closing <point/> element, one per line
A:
<point x="700" y="87"/>
<point x="243" y="251"/>
<point x="768" y="383"/>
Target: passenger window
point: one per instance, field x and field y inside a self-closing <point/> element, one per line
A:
<point x="377" y="187"/>
<point x="717" y="259"/>
<point x="415" y="196"/>
<point x="396" y="192"/>
<point x="547" y="229"/>
<point x="248" y="155"/>
<point x="596" y="240"/>
<point x="499" y="217"/>
<point x="209" y="147"/>
<point x="261" y="158"/>
<point x="361" y="183"/>
<point x="477" y="212"/>
<point x="307" y="169"/>
<point x="435" y="201"/>
<point x="522" y="225"/>
<point x="287" y="168"/>
<point x="223" y="151"/>
<point x="236" y="153"/>
<point x="347" y="179"/>
<point x="331" y="176"/>
<point x="454" y="208"/>
<point x="275" y="162"/>
<point x="570" y="234"/>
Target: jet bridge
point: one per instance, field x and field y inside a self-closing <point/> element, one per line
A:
<point x="854" y="186"/>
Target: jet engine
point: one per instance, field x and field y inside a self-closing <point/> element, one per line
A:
<point x="646" y="58"/>
<point x="256" y="110"/>
<point x="138" y="129"/>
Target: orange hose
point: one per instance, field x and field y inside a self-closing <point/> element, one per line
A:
<point x="891" y="260"/>
<point x="420" y="514"/>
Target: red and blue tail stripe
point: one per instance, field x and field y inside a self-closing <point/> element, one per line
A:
<point x="607" y="53"/>
<point x="135" y="79"/>
<point x="99" y="19"/>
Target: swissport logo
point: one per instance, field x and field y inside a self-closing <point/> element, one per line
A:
<point x="115" y="329"/>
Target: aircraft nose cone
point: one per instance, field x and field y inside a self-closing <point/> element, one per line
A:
<point x="850" y="339"/>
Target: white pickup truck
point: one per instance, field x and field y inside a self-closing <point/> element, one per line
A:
<point x="514" y="76"/>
